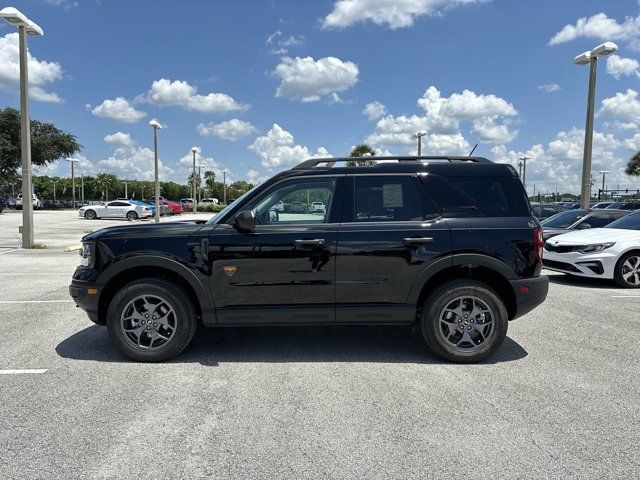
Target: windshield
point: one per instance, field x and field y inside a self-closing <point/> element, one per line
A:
<point x="564" y="219"/>
<point x="628" y="222"/>
<point x="226" y="209"/>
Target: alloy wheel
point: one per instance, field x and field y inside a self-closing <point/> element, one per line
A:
<point x="631" y="271"/>
<point x="466" y="323"/>
<point x="148" y="322"/>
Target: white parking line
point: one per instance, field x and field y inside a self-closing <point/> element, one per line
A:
<point x="10" y="302"/>
<point x="20" y="372"/>
<point x="39" y="274"/>
<point x="9" y="251"/>
<point x="625" y="296"/>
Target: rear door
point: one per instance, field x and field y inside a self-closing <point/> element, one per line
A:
<point x="390" y="232"/>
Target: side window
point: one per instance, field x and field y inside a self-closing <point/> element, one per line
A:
<point x="117" y="204"/>
<point x="393" y="198"/>
<point x="598" y="221"/>
<point x="301" y="201"/>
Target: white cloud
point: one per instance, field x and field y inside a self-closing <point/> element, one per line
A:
<point x="231" y="130"/>
<point x="488" y="131"/>
<point x="277" y="149"/>
<point x="281" y="44"/>
<point x="374" y="110"/>
<point x="306" y="79"/>
<point x="63" y="3"/>
<point x="550" y="87"/>
<point x="624" y="105"/>
<point x="119" y="138"/>
<point x="600" y="27"/>
<point x="118" y="109"/>
<point x="40" y="72"/>
<point x="391" y="13"/>
<point x="179" y="93"/>
<point x="135" y="162"/>
<point x="619" y="66"/>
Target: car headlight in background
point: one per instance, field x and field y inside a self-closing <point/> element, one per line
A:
<point x="87" y="254"/>
<point x="598" y="247"/>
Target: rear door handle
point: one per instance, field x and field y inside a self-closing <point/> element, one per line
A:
<point x="417" y="240"/>
<point x="310" y="241"/>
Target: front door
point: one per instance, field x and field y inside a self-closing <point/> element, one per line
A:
<point x="284" y="271"/>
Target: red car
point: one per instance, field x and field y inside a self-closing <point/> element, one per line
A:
<point x="175" y="207"/>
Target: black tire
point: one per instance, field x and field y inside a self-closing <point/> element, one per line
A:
<point x="185" y="314"/>
<point x="618" y="271"/>
<point x="132" y="215"/>
<point x="90" y="215"/>
<point x="430" y="325"/>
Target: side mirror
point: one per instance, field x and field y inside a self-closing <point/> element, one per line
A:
<point x="584" y="226"/>
<point x="245" y="221"/>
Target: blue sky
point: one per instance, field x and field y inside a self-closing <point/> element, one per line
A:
<point x="261" y="85"/>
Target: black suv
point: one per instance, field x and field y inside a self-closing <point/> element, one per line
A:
<point x="448" y="244"/>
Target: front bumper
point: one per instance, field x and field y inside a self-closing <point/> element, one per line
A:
<point x="595" y="265"/>
<point x="86" y="296"/>
<point x="530" y="293"/>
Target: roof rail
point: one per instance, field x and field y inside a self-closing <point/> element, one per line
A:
<point x="331" y="161"/>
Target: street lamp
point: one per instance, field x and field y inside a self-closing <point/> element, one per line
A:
<point x="524" y="159"/>
<point x="520" y="168"/>
<point x="73" y="181"/>
<point x="224" y="185"/>
<point x="590" y="58"/>
<point x="200" y="181"/>
<point x="156" y="125"/>
<point x="54" y="192"/>
<point x="604" y="174"/>
<point x="194" y="150"/>
<point x="25" y="27"/>
<point x="419" y="136"/>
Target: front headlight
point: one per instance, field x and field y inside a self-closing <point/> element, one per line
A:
<point x="87" y="254"/>
<point x="598" y="247"/>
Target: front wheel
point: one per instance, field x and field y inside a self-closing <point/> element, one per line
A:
<point x="90" y="215"/>
<point x="151" y="320"/>
<point x="464" y="321"/>
<point x="627" y="271"/>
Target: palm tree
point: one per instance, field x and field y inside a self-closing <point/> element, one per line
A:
<point x="209" y="179"/>
<point x="633" y="167"/>
<point x="362" y="150"/>
<point x="105" y="181"/>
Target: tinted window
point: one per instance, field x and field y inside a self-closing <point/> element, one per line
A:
<point x="393" y="198"/>
<point x="564" y="219"/>
<point x="117" y="204"/>
<point x="597" y="221"/>
<point x="478" y="196"/>
<point x="630" y="222"/>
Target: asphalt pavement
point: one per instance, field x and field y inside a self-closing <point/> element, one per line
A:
<point x="559" y="400"/>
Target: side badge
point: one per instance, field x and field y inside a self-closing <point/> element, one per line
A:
<point x="230" y="270"/>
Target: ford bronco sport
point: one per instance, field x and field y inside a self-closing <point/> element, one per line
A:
<point x="447" y="244"/>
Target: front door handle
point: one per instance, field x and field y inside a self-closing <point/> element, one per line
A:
<point x="417" y="240"/>
<point x="310" y="241"/>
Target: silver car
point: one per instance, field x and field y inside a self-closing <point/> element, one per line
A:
<point x="115" y="209"/>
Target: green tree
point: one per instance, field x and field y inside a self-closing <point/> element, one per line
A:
<point x="362" y="150"/>
<point x="48" y="144"/>
<point x="106" y="182"/>
<point x="633" y="167"/>
<point x="210" y="179"/>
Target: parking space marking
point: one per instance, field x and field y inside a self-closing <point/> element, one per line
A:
<point x="11" y="302"/>
<point x="25" y="371"/>
<point x="9" y="251"/>
<point x="39" y="274"/>
<point x="625" y="296"/>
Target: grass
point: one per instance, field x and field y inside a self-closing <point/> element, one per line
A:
<point x="38" y="246"/>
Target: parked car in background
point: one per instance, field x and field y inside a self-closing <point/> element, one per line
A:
<point x="187" y="204"/>
<point x="11" y="202"/>
<point x="3" y="204"/>
<point x="612" y="252"/>
<point x="174" y="208"/>
<point x="278" y="207"/>
<point x="601" y="205"/>
<point x="208" y="201"/>
<point x="318" y="207"/>
<point x="578" y="220"/>
<point x="297" y="207"/>
<point x="37" y="203"/>
<point x="545" y="210"/>
<point x="140" y="202"/>
<point x="116" y="209"/>
<point x="629" y="205"/>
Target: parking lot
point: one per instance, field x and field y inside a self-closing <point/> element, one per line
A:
<point x="560" y="400"/>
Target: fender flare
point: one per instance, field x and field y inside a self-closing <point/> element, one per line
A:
<point x="453" y="261"/>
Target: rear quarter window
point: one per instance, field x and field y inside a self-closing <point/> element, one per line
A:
<point x="478" y="196"/>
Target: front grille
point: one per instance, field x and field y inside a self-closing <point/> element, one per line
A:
<point x="559" y="265"/>
<point x="563" y="248"/>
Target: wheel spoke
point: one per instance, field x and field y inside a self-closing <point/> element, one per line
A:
<point x="141" y="330"/>
<point x="475" y="318"/>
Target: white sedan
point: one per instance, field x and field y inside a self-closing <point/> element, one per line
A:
<point x="116" y="209"/>
<point x="612" y="252"/>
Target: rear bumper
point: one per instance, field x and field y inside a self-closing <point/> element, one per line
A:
<point x="529" y="293"/>
<point x="83" y="295"/>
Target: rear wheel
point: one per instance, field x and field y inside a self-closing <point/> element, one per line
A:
<point x="151" y="320"/>
<point x="627" y="271"/>
<point x="90" y="215"/>
<point x="464" y="321"/>
<point x="132" y="215"/>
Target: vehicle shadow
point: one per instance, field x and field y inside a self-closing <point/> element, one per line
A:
<point x="572" y="281"/>
<point x="214" y="346"/>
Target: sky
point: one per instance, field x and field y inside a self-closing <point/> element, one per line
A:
<point x="259" y="86"/>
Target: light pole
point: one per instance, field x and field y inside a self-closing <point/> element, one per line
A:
<point x="590" y="58"/>
<point x="200" y="181"/>
<point x="524" y="159"/>
<point x="224" y="185"/>
<point x="126" y="193"/>
<point x="54" y="192"/>
<point x="520" y="169"/>
<point x="419" y="136"/>
<point x="73" y="181"/>
<point x="194" y="150"/>
<point x="156" y="125"/>
<point x="13" y="190"/>
<point x="604" y="175"/>
<point x="82" y="188"/>
<point x="25" y="27"/>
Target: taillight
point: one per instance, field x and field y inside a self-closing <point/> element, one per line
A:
<point x="538" y="243"/>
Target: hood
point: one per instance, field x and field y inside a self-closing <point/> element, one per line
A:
<point x="153" y="229"/>
<point x="595" y="235"/>
<point x="552" y="232"/>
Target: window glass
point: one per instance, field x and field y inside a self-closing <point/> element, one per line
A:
<point x="629" y="222"/>
<point x="597" y="221"/>
<point x="478" y="196"/>
<point x="391" y="198"/>
<point x="117" y="204"/>
<point x="564" y="219"/>
<point x="295" y="201"/>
